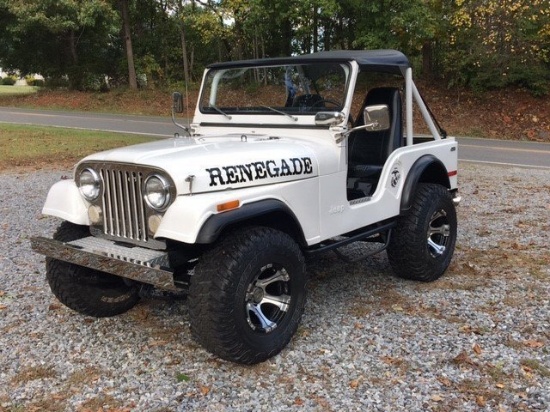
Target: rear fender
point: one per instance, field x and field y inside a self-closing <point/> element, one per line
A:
<point x="426" y="169"/>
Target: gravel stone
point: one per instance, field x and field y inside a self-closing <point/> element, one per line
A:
<point x="477" y="339"/>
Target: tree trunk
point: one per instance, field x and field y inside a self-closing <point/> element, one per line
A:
<point x="315" y="29"/>
<point x="74" y="72"/>
<point x="184" y="53"/>
<point x="132" y="79"/>
<point x="427" y="59"/>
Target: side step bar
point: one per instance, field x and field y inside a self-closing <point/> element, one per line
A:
<point x="136" y="263"/>
<point x="355" y="236"/>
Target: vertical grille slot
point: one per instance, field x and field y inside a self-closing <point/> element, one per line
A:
<point x="123" y="204"/>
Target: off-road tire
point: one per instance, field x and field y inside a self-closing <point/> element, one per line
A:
<point x="232" y="284"/>
<point x="422" y="244"/>
<point x="85" y="290"/>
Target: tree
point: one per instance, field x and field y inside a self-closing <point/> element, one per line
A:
<point x="127" y="33"/>
<point x="498" y="43"/>
<point x="57" y="38"/>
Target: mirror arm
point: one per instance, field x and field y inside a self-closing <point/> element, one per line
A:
<point x="185" y="128"/>
<point x="344" y="135"/>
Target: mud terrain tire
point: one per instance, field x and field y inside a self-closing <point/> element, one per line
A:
<point x="422" y="244"/>
<point x="247" y="295"/>
<point x="85" y="290"/>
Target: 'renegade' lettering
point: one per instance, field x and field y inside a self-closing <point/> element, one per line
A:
<point x="248" y="172"/>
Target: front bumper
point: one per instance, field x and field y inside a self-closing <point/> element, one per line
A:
<point x="132" y="262"/>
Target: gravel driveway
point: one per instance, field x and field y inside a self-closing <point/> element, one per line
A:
<point x="477" y="339"/>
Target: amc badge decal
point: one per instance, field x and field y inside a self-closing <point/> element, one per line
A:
<point x="259" y="170"/>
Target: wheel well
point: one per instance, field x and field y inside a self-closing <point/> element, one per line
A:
<point x="275" y="220"/>
<point x="435" y="173"/>
<point x="269" y="213"/>
<point x="427" y="169"/>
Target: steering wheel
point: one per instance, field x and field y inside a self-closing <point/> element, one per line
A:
<point x="323" y="101"/>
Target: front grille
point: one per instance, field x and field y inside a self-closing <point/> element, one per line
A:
<point x="123" y="204"/>
<point x="123" y="209"/>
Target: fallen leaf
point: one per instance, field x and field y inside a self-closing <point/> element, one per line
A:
<point x="445" y="381"/>
<point x="463" y="358"/>
<point x="436" y="398"/>
<point x="500" y="385"/>
<point x="389" y="360"/>
<point x="298" y="401"/>
<point x="527" y="369"/>
<point x="477" y="349"/>
<point x="480" y="400"/>
<point x="205" y="390"/>
<point x="159" y="342"/>
<point x="533" y="344"/>
<point x="465" y="328"/>
<point x="54" y="306"/>
<point x="2" y="307"/>
<point x="354" y="384"/>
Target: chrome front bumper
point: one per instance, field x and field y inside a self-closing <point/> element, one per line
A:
<point x="132" y="262"/>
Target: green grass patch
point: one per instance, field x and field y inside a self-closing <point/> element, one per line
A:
<point x="42" y="147"/>
<point x="17" y="90"/>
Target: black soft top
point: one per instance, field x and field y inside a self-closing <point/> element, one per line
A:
<point x="391" y="61"/>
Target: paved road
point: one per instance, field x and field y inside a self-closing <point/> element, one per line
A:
<point x="503" y="152"/>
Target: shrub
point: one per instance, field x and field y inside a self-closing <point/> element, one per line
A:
<point x="57" y="82"/>
<point x="8" y="81"/>
<point x="31" y="81"/>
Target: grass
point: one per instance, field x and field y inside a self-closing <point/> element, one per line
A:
<point x="42" y="147"/>
<point x="17" y="90"/>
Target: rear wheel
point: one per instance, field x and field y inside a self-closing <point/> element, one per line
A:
<point x="247" y="295"/>
<point x="85" y="290"/>
<point x="422" y="244"/>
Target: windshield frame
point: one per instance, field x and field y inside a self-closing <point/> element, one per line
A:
<point x="213" y="75"/>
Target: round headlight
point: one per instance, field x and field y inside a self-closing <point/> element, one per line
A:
<point x="89" y="184"/>
<point x="157" y="192"/>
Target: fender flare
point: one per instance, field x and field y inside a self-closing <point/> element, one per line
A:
<point x="215" y="224"/>
<point x="427" y="168"/>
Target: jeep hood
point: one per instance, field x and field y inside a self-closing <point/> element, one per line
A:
<point x="220" y="163"/>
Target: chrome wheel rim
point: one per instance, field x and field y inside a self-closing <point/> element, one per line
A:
<point x="267" y="299"/>
<point x="439" y="233"/>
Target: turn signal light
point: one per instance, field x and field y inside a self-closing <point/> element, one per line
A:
<point x="223" y="207"/>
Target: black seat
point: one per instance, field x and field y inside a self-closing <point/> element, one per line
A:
<point x="368" y="151"/>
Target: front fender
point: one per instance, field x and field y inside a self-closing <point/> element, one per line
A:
<point x="64" y="201"/>
<point x="194" y="219"/>
<point x="215" y="224"/>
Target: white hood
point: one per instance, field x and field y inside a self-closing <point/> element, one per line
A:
<point x="220" y="163"/>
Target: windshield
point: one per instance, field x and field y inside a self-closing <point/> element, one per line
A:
<point x="287" y="90"/>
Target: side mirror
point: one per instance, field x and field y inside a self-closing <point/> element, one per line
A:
<point x="328" y="118"/>
<point x="177" y="102"/>
<point x="376" y="118"/>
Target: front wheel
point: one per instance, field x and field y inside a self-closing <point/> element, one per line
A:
<point x="85" y="290"/>
<point x="247" y="295"/>
<point x="422" y="244"/>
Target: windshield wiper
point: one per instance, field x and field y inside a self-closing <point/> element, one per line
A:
<point x="220" y="111"/>
<point x="281" y="112"/>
